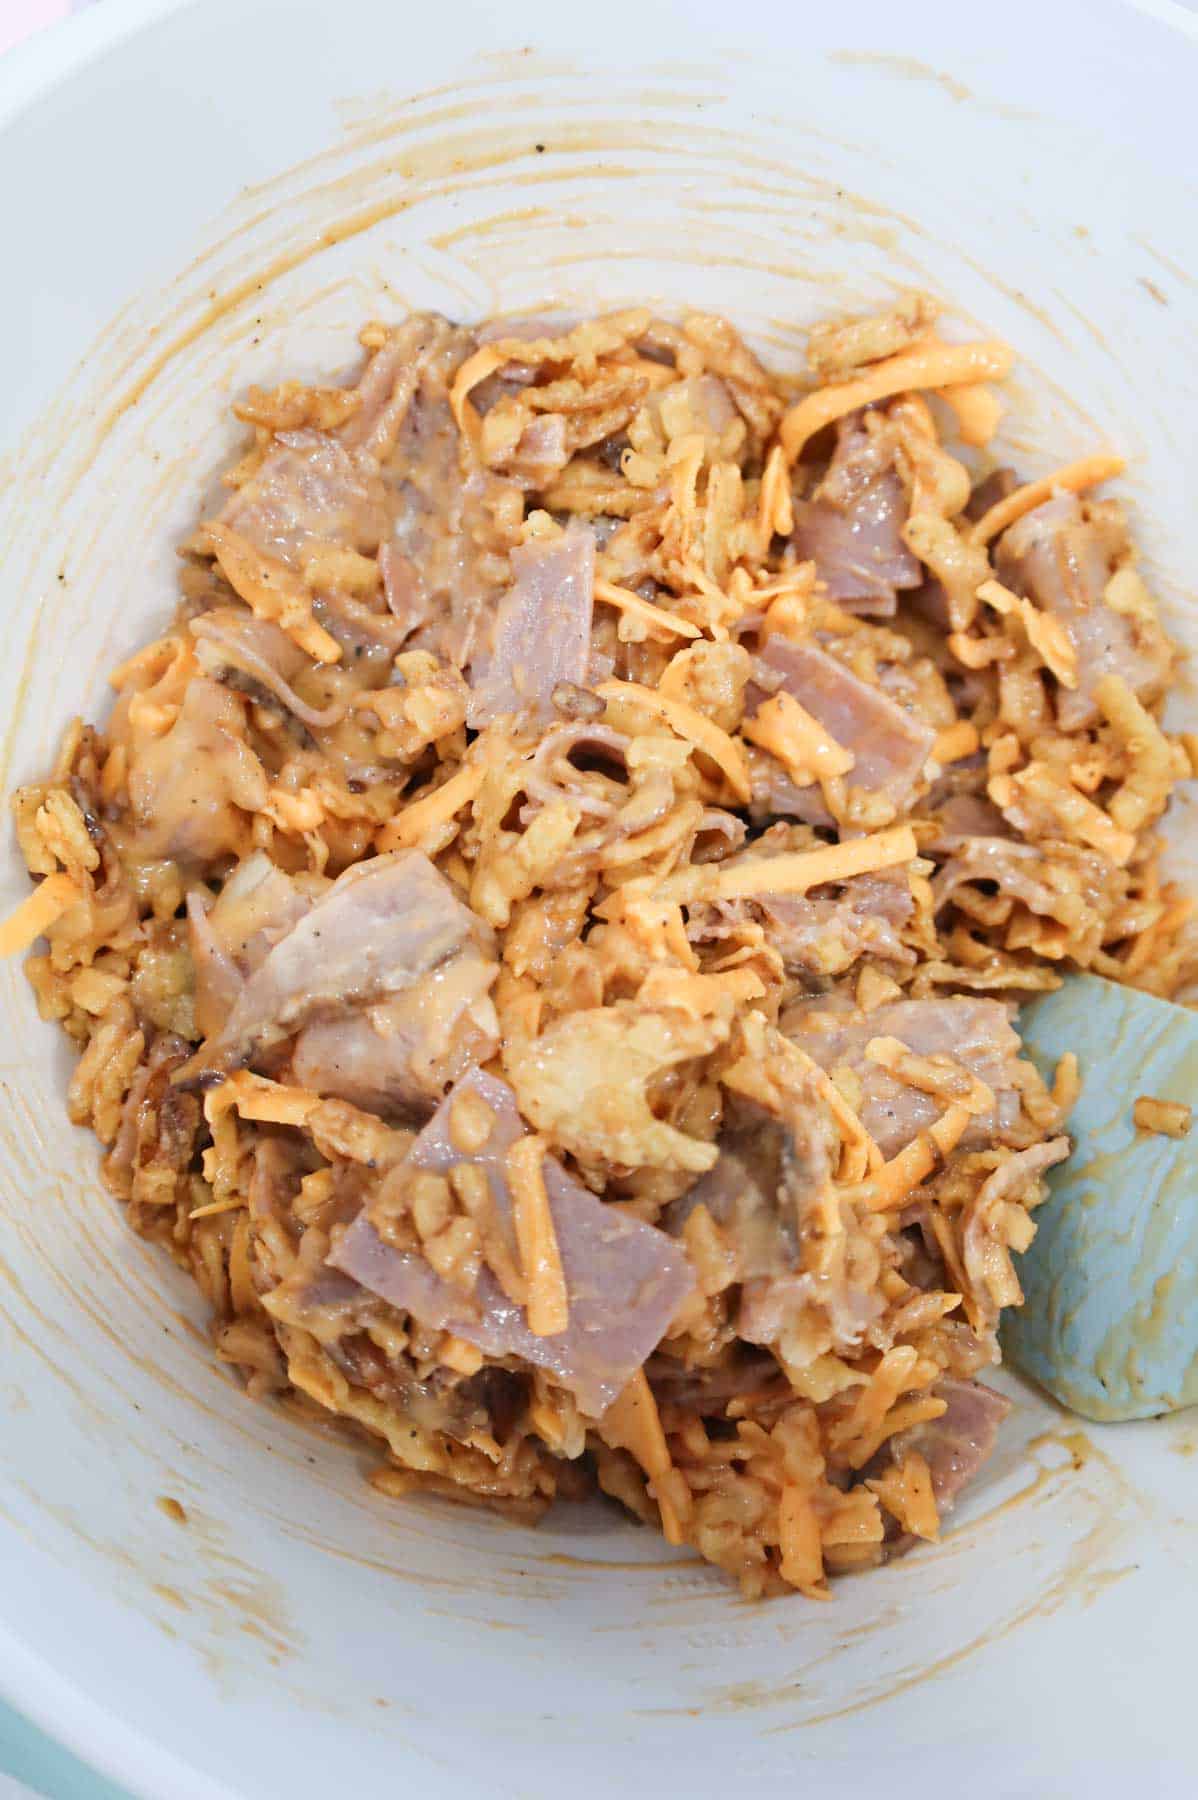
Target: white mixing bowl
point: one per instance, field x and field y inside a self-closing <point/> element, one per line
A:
<point x="200" y="196"/>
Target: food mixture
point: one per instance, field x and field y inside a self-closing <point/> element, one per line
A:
<point x="544" y="927"/>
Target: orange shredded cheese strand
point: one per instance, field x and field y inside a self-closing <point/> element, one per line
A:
<point x="37" y="912"/>
<point x="802" y="1554"/>
<point x="857" y="1138"/>
<point x="272" y="591"/>
<point x="1046" y="635"/>
<point x="540" y="1258"/>
<point x="775" y="507"/>
<point x="930" y="366"/>
<point x="485" y="361"/>
<point x="268" y="1102"/>
<point x="956" y="742"/>
<point x="787" y="730"/>
<point x="793" y="873"/>
<point x="691" y="725"/>
<point x="1072" y="477"/>
<point x="633" y="1423"/>
<point x="155" y="663"/>
<point x="916" y="1160"/>
<point x="977" y="410"/>
<point x="636" y="608"/>
<point x="906" y="1492"/>
<point x="409" y="827"/>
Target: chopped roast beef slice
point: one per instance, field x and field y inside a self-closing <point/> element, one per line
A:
<point x="708" y="1391"/>
<point x="988" y="492"/>
<point x="977" y="1033"/>
<point x="1021" y="872"/>
<point x="542" y="631"/>
<point x="889" y="745"/>
<point x="964" y="817"/>
<point x="755" y="1192"/>
<point x="192" y="787"/>
<point x="231" y="938"/>
<point x="393" y="377"/>
<point x="448" y="551"/>
<point x="231" y="637"/>
<point x="625" y="1280"/>
<point x="380" y="928"/>
<point x="955" y="1445"/>
<point x="1062" y="556"/>
<point x="401" y="1055"/>
<point x="311" y="488"/>
<point x="852" y="527"/>
<point x="773" y="1174"/>
<point x="817" y="934"/>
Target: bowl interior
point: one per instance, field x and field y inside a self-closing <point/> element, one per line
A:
<point x="222" y="196"/>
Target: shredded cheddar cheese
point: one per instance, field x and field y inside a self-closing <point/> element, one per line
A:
<point x="976" y="408"/>
<point x="956" y="742"/>
<point x="699" y="995"/>
<point x="540" y="1259"/>
<point x="1046" y="635"/>
<point x="655" y="617"/>
<point x="787" y="730"/>
<point x="931" y="366"/>
<point x="915" y="1162"/>
<point x="1072" y="478"/>
<point x="272" y="591"/>
<point x="793" y="873"/>
<point x="802" y="1556"/>
<point x="34" y="916"/>
<point x="409" y="828"/>
<point x="485" y="361"/>
<point x="633" y="1421"/>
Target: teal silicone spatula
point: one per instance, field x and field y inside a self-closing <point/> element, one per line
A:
<point x="1110" y="1323"/>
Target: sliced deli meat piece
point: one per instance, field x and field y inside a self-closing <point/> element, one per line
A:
<point x="976" y="1033"/>
<point x="310" y="488"/>
<point x="401" y="1055"/>
<point x="231" y="938"/>
<point x="1062" y="556"/>
<point x="816" y="934"/>
<point x="889" y="746"/>
<point x="955" y="1445"/>
<point x="542" y="632"/>
<point x="625" y="1280"/>
<point x="851" y="528"/>
<point x="772" y="1197"/>
<point x="231" y="638"/>
<point x="382" y="926"/>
